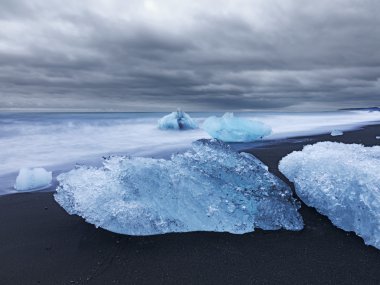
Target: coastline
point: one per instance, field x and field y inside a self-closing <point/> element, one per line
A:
<point x="41" y="244"/>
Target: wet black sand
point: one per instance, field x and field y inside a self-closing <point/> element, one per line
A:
<point x="41" y="244"/>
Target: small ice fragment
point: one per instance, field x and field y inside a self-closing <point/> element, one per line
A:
<point x="342" y="181"/>
<point x="335" y="133"/>
<point x="32" y="178"/>
<point x="177" y="121"/>
<point x="233" y="129"/>
<point x="378" y="137"/>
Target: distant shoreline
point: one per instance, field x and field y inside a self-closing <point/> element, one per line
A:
<point x="43" y="110"/>
<point x="371" y="109"/>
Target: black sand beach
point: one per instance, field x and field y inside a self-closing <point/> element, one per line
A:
<point x="41" y="244"/>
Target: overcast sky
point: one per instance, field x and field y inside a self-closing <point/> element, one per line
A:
<point x="198" y="55"/>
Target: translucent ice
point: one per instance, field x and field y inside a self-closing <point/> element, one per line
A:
<point x="233" y="129"/>
<point x="335" y="133"/>
<point x="32" y="178"/>
<point x="177" y="121"/>
<point x="342" y="181"/>
<point x="210" y="188"/>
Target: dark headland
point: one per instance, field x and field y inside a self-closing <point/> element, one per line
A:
<point x="371" y="109"/>
<point x="41" y="244"/>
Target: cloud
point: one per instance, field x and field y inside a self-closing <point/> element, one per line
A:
<point x="201" y="55"/>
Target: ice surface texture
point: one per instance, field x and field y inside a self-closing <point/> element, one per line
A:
<point x="342" y="181"/>
<point x="177" y="121"/>
<point x="32" y="178"/>
<point x="335" y="133"/>
<point x="233" y="129"/>
<point x="209" y="188"/>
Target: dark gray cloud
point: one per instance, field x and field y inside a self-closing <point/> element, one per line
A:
<point x="201" y="55"/>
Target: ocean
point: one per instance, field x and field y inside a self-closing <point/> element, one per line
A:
<point x="59" y="141"/>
